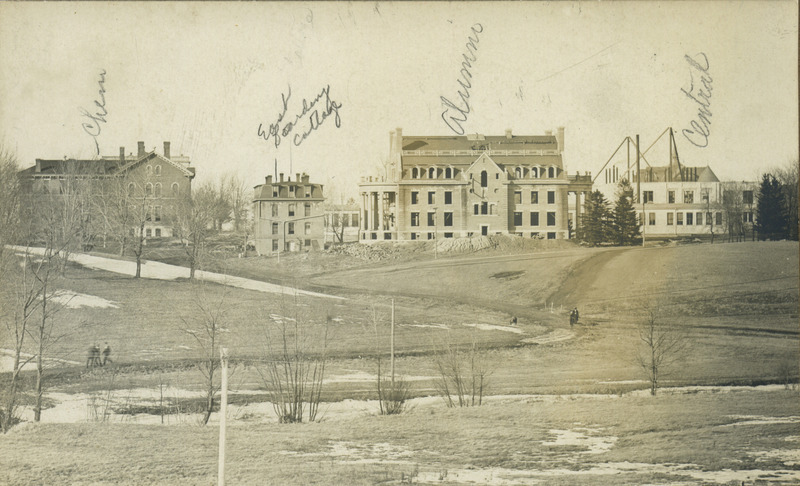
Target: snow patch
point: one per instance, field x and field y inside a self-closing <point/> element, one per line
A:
<point x="74" y="300"/>
<point x="493" y="327"/>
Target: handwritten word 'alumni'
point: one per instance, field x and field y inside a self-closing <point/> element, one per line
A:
<point x="92" y="127"/>
<point x="455" y="114"/>
<point x="700" y="94"/>
<point x="315" y="115"/>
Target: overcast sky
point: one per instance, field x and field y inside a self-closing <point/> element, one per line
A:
<point x="205" y="76"/>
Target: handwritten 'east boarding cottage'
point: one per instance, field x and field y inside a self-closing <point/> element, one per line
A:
<point x="461" y="186"/>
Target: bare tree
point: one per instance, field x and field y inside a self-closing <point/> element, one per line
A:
<point x="393" y="392"/>
<point x="206" y="327"/>
<point x="114" y="208"/>
<point x="295" y="358"/>
<point x="733" y="208"/>
<point x="139" y="211"/>
<point x="788" y="177"/>
<point x="193" y="218"/>
<point x="239" y="201"/>
<point x="463" y="373"/>
<point x="661" y="345"/>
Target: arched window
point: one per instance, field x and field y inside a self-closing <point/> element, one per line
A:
<point x="175" y="189"/>
<point x="148" y="189"/>
<point x="432" y="173"/>
<point x="149" y="169"/>
<point x="130" y="189"/>
<point x="484" y="179"/>
<point x="414" y="173"/>
<point x="158" y="170"/>
<point x="158" y="187"/>
<point x="551" y="172"/>
<point x="534" y="172"/>
<point x="518" y="173"/>
<point x="448" y="173"/>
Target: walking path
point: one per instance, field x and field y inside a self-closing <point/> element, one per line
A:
<point x="164" y="271"/>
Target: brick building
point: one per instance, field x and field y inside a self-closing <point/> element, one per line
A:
<point x="459" y="186"/>
<point x="158" y="180"/>
<point x="289" y="215"/>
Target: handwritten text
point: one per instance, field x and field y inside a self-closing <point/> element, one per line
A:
<point x="700" y="94"/>
<point x="313" y="115"/>
<point x="458" y="115"/>
<point x="92" y="127"/>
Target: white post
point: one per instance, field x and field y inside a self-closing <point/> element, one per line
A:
<point x="223" y="410"/>
<point x="392" y="346"/>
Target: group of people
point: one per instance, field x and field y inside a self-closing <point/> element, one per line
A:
<point x="573" y="317"/>
<point x="93" y="358"/>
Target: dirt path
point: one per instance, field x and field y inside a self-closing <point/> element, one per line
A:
<point x="582" y="278"/>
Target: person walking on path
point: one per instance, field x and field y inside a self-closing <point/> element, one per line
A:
<point x="107" y="355"/>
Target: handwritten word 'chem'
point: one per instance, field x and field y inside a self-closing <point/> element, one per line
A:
<point x="92" y="127"/>
<point x="313" y="115"/>
<point x="699" y="93"/>
<point x="458" y="115"/>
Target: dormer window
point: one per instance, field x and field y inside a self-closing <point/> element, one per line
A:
<point x="432" y="173"/>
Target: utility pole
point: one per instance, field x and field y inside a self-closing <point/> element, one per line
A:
<point x="223" y="411"/>
<point x="391" y="344"/>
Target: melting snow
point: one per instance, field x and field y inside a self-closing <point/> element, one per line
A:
<point x="74" y="300"/>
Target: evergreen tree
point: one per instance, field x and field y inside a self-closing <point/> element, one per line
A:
<point x="624" y="227"/>
<point x="594" y="225"/>
<point x="771" y="221"/>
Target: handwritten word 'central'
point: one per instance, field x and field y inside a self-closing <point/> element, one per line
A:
<point x="315" y="115"/>
<point x="701" y="95"/>
<point x="92" y="127"/>
<point x="454" y="120"/>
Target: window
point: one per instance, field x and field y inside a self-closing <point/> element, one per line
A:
<point x="291" y="209"/>
<point x="670" y="217"/>
<point x="291" y="228"/>
<point x="432" y="173"/>
<point x="149" y="232"/>
<point x="414" y="197"/>
<point x="307" y="242"/>
<point x="149" y="171"/>
<point x="148" y="215"/>
<point x="517" y="197"/>
<point x="275" y="192"/>
<point x="158" y="230"/>
<point x="476" y="209"/>
<point x="518" y="218"/>
<point x="705" y="196"/>
<point x="680" y="219"/>
<point x="484" y="207"/>
<point x="431" y="219"/>
<point x="307" y="209"/>
<point x="448" y="173"/>
<point x="551" y="218"/>
<point x="718" y="218"/>
<point x="534" y="218"/>
<point x="448" y="219"/>
<point x="551" y="197"/>
<point x="709" y="221"/>
<point x="291" y="188"/>
<point x="699" y="219"/>
<point x="415" y="173"/>
<point x="274" y="210"/>
<point x="689" y="219"/>
<point x="130" y="189"/>
<point x="448" y="235"/>
<point x="647" y="196"/>
<point x="534" y="197"/>
<point x="747" y="197"/>
<point x="148" y="189"/>
<point x="175" y="189"/>
<point x="158" y="188"/>
<point x="274" y="245"/>
<point x="430" y="236"/>
<point x="551" y="236"/>
<point x="158" y="170"/>
<point x="387" y="236"/>
<point x="448" y="197"/>
<point x="551" y="172"/>
<point x="274" y="228"/>
<point x="431" y="197"/>
<point x="671" y="197"/>
<point x="688" y="197"/>
<point x="484" y="179"/>
<point x="414" y="219"/>
<point x="651" y="219"/>
<point x="413" y="236"/>
<point x="308" y="228"/>
<point x="497" y="175"/>
<point x="157" y="211"/>
<point x="535" y="234"/>
<point x="535" y="175"/>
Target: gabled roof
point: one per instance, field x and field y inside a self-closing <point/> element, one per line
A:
<point x="484" y="156"/>
<point x="707" y="175"/>
<point x="188" y="172"/>
<point x="491" y="142"/>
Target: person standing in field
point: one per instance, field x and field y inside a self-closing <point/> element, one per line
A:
<point x="107" y="355"/>
<point x="90" y="357"/>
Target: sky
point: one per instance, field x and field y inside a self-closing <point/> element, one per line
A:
<point x="212" y="78"/>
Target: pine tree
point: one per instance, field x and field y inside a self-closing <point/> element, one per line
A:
<point x="624" y="227"/>
<point x="594" y="225"/>
<point x="771" y="221"/>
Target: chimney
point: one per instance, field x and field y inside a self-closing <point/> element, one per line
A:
<point x="305" y="178"/>
<point x="141" y="148"/>
<point x="281" y="176"/>
<point x="297" y="177"/>
<point x="391" y="142"/>
<point x="508" y="133"/>
<point x="548" y="133"/>
<point x="399" y="133"/>
<point x="560" y="139"/>
<point x="122" y="155"/>
<point x="269" y="179"/>
<point x="166" y="150"/>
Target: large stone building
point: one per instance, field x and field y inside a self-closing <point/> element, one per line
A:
<point x="675" y="200"/>
<point x="289" y="215"/>
<point x="157" y="180"/>
<point x="460" y="186"/>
